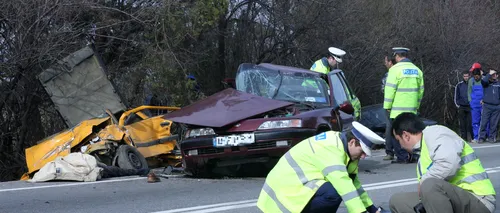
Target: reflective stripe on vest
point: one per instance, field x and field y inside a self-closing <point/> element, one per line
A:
<point x="272" y="194"/>
<point x="300" y="174"/>
<point x="403" y="89"/>
<point x="471" y="176"/>
<point x="318" y="66"/>
<point x="294" y="181"/>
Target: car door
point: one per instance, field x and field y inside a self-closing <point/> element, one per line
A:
<point x="339" y="88"/>
<point x="351" y="96"/>
<point x="340" y="95"/>
<point x="151" y="135"/>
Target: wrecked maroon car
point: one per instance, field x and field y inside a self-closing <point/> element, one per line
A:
<point x="272" y="108"/>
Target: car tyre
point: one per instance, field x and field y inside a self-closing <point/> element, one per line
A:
<point x="130" y="158"/>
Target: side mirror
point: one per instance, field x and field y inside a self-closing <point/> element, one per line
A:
<point x="347" y="107"/>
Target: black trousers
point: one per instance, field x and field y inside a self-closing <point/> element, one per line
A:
<point x="114" y="171"/>
<point x="392" y="146"/>
<point x="491" y="115"/>
<point x="326" y="199"/>
<point x="465" y="122"/>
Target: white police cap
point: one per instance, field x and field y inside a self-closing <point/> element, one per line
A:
<point x="366" y="137"/>
<point x="336" y="53"/>
<point x="400" y="50"/>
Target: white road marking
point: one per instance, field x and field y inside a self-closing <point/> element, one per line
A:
<point x="252" y="203"/>
<point x="71" y="184"/>
<point x="474" y="147"/>
<point x="388" y="182"/>
<point x="225" y="208"/>
<point x="414" y="181"/>
<point x="219" y="205"/>
<point x="482" y="147"/>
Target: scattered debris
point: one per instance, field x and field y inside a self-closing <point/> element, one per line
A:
<point x="152" y="178"/>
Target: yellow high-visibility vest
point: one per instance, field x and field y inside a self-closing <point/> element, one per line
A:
<point x="471" y="177"/>
<point x="306" y="167"/>
<point x="403" y="89"/>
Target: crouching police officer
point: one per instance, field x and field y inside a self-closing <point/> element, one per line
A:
<point x="320" y="172"/>
<point x="451" y="177"/>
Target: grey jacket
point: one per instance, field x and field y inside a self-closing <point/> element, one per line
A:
<point x="445" y="148"/>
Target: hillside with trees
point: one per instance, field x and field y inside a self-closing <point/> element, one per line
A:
<point x="150" y="46"/>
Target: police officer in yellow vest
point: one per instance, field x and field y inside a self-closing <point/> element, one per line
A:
<point x="326" y="64"/>
<point x="404" y="89"/>
<point x="320" y="172"/>
<point x="447" y="182"/>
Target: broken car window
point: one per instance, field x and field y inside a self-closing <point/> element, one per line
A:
<point x="283" y="85"/>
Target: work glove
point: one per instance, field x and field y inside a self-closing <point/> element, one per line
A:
<point x="419" y="208"/>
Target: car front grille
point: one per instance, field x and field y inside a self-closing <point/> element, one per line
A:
<point x="262" y="145"/>
<point x="257" y="145"/>
<point x="211" y="150"/>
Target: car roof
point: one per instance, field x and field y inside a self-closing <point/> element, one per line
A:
<point x="287" y="68"/>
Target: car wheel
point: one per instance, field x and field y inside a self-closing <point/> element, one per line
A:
<point x="130" y="158"/>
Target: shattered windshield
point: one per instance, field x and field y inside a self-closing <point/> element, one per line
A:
<point x="282" y="85"/>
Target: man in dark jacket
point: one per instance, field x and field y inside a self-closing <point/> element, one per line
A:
<point x="491" y="106"/>
<point x="389" y="61"/>
<point x="462" y="103"/>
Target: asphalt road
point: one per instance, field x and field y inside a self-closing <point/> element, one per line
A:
<point x="182" y="194"/>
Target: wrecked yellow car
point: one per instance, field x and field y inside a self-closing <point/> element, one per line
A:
<point x="137" y="142"/>
<point x="101" y="125"/>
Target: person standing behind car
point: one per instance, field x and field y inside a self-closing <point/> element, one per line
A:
<point x="491" y="106"/>
<point x="329" y="63"/>
<point x="462" y="102"/>
<point x="403" y="92"/>
<point x="389" y="61"/>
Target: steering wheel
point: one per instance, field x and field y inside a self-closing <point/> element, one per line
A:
<point x="299" y="96"/>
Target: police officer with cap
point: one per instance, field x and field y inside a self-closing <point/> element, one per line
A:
<point x="403" y="92"/>
<point x="320" y="172"/>
<point x="326" y="64"/>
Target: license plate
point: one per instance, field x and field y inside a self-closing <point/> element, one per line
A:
<point x="234" y="140"/>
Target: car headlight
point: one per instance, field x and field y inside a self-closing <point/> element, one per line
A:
<point x="199" y="132"/>
<point x="281" y="124"/>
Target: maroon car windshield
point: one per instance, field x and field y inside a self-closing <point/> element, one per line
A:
<point x="283" y="85"/>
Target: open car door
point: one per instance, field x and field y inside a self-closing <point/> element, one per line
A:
<point x="150" y="133"/>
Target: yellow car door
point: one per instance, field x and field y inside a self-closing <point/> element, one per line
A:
<point x="150" y="135"/>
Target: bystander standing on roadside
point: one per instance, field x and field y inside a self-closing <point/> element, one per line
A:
<point x="462" y="102"/>
<point x="490" y="107"/>
<point x="475" y="93"/>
